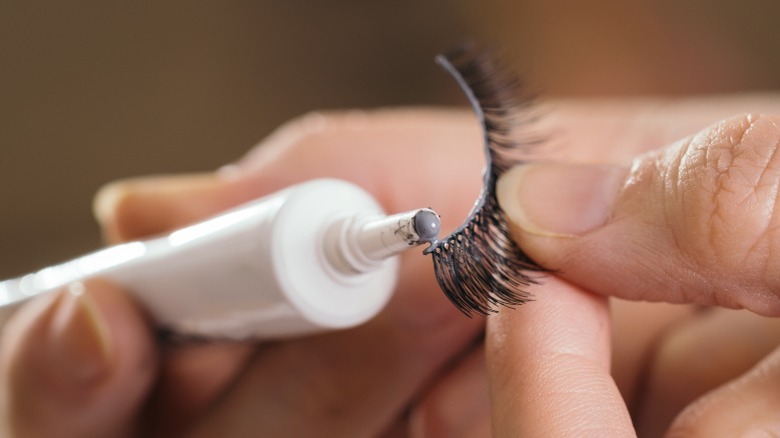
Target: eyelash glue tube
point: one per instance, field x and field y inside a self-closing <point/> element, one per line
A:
<point x="314" y="257"/>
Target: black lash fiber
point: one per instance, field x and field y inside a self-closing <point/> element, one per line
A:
<point x="478" y="266"/>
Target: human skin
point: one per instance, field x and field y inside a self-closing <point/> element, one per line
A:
<point x="562" y="365"/>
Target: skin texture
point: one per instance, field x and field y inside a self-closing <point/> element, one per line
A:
<point x="564" y="365"/>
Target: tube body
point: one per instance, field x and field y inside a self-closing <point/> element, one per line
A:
<point x="261" y="270"/>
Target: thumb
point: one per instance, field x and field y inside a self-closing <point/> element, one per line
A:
<point x="695" y="222"/>
<point x="75" y="363"/>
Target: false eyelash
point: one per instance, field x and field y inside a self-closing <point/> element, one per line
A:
<point x="478" y="266"/>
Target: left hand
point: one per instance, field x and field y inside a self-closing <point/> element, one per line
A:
<point x="359" y="382"/>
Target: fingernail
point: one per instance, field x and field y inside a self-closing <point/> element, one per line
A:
<point x="560" y="199"/>
<point x="130" y="209"/>
<point x="79" y="342"/>
<point x="112" y="194"/>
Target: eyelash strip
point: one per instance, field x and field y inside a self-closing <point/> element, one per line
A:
<point x="478" y="266"/>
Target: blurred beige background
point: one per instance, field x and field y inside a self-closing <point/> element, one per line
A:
<point x="91" y="92"/>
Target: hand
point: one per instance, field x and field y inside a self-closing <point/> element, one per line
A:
<point x="352" y="383"/>
<point x="692" y="223"/>
<point x="413" y="368"/>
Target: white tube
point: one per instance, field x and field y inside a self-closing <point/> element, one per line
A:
<point x="288" y="264"/>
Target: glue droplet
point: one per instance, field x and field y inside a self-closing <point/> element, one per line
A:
<point x="427" y="225"/>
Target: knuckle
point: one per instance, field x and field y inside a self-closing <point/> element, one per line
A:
<point x="304" y="131"/>
<point x="313" y="122"/>
<point x="299" y="133"/>
<point x="316" y="144"/>
<point x="316" y="125"/>
<point x="325" y="139"/>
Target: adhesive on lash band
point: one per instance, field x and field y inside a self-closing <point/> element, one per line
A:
<point x="313" y="257"/>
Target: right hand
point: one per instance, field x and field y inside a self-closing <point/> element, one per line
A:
<point x="695" y="222"/>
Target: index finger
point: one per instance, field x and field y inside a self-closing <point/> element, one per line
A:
<point x="549" y="366"/>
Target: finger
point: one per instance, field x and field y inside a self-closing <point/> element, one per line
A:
<point x="76" y="363"/>
<point x="747" y="406"/>
<point x="352" y="383"/>
<point x="353" y="146"/>
<point x="637" y="329"/>
<point x="694" y="222"/>
<point x="458" y="403"/>
<point x="142" y="207"/>
<point x="191" y="379"/>
<point x="698" y="355"/>
<point x="548" y="365"/>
